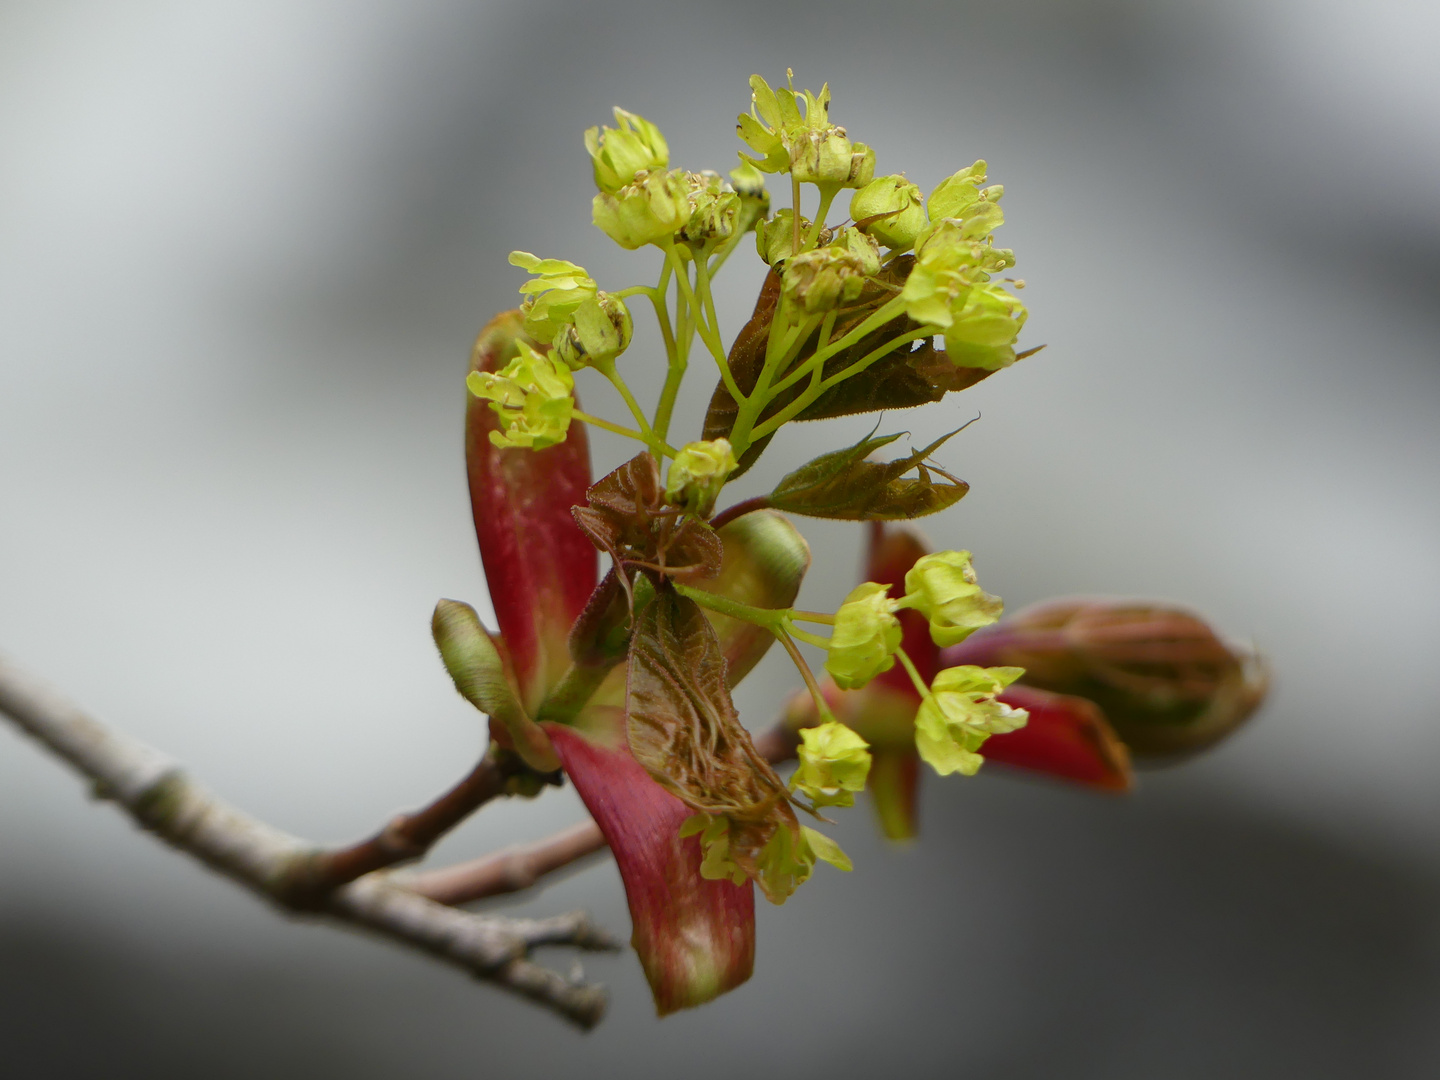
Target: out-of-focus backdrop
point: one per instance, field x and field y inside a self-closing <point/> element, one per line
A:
<point x="243" y="250"/>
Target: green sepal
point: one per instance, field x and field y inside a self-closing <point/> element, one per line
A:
<point x="478" y="671"/>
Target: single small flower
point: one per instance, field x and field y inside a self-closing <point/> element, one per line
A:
<point x="598" y="331"/>
<point x="834" y="762"/>
<point x="961" y="712"/>
<point x="953" y="195"/>
<point x="654" y="206"/>
<point x="984" y="326"/>
<point x="698" y="473"/>
<point x="890" y="209"/>
<point x="806" y="144"/>
<point x="775" y="239"/>
<point x="823" y="279"/>
<point x="619" y="153"/>
<point x="943" y="588"/>
<point x="533" y="397"/>
<point x="551" y="297"/>
<point x="714" y="209"/>
<point x="861" y="246"/>
<point x="865" y="637"/>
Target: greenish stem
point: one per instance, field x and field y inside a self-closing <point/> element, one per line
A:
<point x="682" y="279"/>
<point x="677" y="363"/>
<point x="807" y="637"/>
<point x="813" y="616"/>
<point x="818" y="386"/>
<point x="657" y="445"/>
<point x="795" y="210"/>
<point x="827" y="196"/>
<point x="606" y="425"/>
<point x="910" y="669"/>
<point x="805" y="673"/>
<point x="769" y="618"/>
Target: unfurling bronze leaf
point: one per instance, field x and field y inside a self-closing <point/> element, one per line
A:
<point x="842" y="484"/>
<point x="628" y="518"/>
<point x="684" y="730"/>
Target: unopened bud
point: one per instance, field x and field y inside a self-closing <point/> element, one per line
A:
<point x="889" y="208"/>
<point x="1167" y="682"/>
<point x="866" y="636"/>
<point x="823" y="279"/>
<point x="599" y="330"/>
<point x="834" y="762"/>
<point x="775" y="239"/>
<point x="714" y="209"/>
<point x="861" y="246"/>
<point x="943" y="588"/>
<point x="697" y="475"/>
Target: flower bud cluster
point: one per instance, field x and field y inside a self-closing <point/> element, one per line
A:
<point x="961" y="712"/>
<point x="942" y="587"/>
<point x="949" y="286"/>
<point x="806" y="144"/>
<point x="533" y="397"/>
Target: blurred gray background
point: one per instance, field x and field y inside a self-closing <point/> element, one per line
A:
<point x="243" y="250"/>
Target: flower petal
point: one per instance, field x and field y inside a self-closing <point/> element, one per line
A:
<point x="890" y="554"/>
<point x="1066" y="737"/>
<point x="539" y="566"/>
<point x="695" y="938"/>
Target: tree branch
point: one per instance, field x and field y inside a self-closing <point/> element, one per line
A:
<point x="406" y="837"/>
<point x="158" y="795"/>
<point x="510" y="870"/>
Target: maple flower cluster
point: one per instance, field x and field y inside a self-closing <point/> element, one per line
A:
<point x="624" y="680"/>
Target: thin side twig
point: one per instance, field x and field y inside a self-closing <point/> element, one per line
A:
<point x="510" y="870"/>
<point x="406" y="837"/>
<point x="153" y="790"/>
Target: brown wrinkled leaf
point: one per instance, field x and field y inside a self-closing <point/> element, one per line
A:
<point x="628" y="518"/>
<point x="684" y="730"/>
<point x="842" y="484"/>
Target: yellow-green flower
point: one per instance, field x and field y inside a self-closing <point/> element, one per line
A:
<point x="943" y="588"/>
<point x="654" y="206"/>
<point x="775" y="239"/>
<point x="956" y="194"/>
<point x="551" y="297"/>
<point x="714" y="209"/>
<point x="598" y="331"/>
<point x="890" y="209"/>
<point x="805" y="144"/>
<point x="619" y="153"/>
<point x="698" y="473"/>
<point x="834" y="762"/>
<point x="865" y="637"/>
<point x="984" y="325"/>
<point x="961" y="712"/>
<point x="532" y="395"/>
<point x="784" y="864"/>
<point x="823" y="279"/>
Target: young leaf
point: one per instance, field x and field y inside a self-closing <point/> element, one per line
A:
<point x="627" y="516"/>
<point x="842" y="484"/>
<point x="684" y="730"/>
